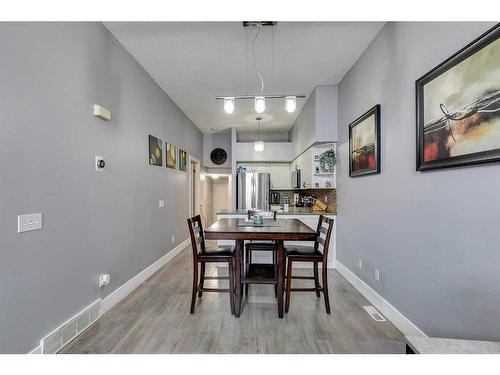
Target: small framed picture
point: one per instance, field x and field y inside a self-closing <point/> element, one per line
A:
<point x="364" y="144"/>
<point x="171" y="155"/>
<point x="155" y="151"/>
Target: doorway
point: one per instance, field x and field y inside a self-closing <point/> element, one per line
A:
<point x="221" y="190"/>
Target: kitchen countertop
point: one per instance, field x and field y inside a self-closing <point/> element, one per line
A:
<point x="432" y="345"/>
<point x="291" y="211"/>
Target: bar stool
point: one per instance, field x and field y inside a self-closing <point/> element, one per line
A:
<point x="314" y="254"/>
<point x="266" y="246"/>
<point x="203" y="255"/>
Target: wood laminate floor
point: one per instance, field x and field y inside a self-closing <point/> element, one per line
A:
<point x="155" y="318"/>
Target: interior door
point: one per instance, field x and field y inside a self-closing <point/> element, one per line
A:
<point x="220" y="201"/>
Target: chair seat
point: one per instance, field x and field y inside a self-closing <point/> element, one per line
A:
<point x="217" y="252"/>
<point x="260" y="246"/>
<point x="302" y="251"/>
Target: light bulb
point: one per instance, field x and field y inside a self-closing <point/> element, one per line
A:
<point x="229" y="105"/>
<point x="259" y="146"/>
<point x="290" y="103"/>
<point x="260" y="104"/>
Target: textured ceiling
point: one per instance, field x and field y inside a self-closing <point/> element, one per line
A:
<point x="193" y="62"/>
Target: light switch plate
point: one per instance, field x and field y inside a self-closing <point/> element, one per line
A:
<point x="377" y="274"/>
<point x="161" y="203"/>
<point x="26" y="223"/>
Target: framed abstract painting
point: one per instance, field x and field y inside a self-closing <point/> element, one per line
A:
<point x="155" y="151"/>
<point x="171" y="155"/>
<point x="458" y="107"/>
<point x="182" y="160"/>
<point x="364" y="144"/>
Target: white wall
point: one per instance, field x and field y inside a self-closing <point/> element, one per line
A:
<point x="318" y="120"/>
<point x="217" y="140"/>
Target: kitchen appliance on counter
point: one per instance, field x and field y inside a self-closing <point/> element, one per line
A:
<point x="275" y="197"/>
<point x="295" y="179"/>
<point x="252" y="191"/>
<point x="306" y="201"/>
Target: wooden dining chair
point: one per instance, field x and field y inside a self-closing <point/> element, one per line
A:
<point x="314" y="254"/>
<point x="202" y="255"/>
<point x="266" y="246"/>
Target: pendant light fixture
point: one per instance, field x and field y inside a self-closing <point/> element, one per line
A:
<point x="260" y="104"/>
<point x="290" y="104"/>
<point x="260" y="98"/>
<point x="229" y="105"/>
<point x="258" y="145"/>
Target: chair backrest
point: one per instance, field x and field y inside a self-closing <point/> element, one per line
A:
<point x="323" y="234"/>
<point x="197" y="236"/>
<point x="263" y="213"/>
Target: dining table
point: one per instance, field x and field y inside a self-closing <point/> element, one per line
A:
<point x="241" y="230"/>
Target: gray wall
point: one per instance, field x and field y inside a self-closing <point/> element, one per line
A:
<point x="433" y="235"/>
<point x="51" y="75"/>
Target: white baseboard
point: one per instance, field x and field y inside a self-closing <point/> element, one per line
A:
<point x="389" y="311"/>
<point x="120" y="293"/>
<point x="37" y="350"/>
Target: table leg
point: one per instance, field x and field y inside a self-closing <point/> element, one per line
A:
<point x="237" y="276"/>
<point x="281" y="266"/>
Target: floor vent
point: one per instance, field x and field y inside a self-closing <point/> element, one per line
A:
<point x="374" y="313"/>
<point x="62" y="335"/>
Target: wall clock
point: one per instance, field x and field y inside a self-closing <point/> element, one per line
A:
<point x="218" y="156"/>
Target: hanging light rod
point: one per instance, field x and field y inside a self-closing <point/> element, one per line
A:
<point x="251" y="97"/>
<point x="259" y="23"/>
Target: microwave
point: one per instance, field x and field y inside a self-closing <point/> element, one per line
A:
<point x="295" y="179"/>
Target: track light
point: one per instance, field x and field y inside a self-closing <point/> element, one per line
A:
<point x="290" y="103"/>
<point x="229" y="104"/>
<point x="260" y="104"/>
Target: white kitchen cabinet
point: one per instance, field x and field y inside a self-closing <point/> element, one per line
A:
<point x="280" y="175"/>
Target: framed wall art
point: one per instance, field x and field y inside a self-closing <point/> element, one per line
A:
<point x="155" y="151"/>
<point x="458" y="107"/>
<point x="364" y="144"/>
<point x="182" y="160"/>
<point x="171" y="155"/>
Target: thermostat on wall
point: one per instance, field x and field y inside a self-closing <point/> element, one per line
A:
<point x="102" y="112"/>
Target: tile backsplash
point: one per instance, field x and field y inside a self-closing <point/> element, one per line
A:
<point x="330" y="194"/>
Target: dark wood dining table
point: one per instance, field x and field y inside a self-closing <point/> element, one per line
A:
<point x="241" y="230"/>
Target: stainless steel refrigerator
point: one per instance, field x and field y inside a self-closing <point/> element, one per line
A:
<point x="252" y="191"/>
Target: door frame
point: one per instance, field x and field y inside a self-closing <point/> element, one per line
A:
<point x="193" y="160"/>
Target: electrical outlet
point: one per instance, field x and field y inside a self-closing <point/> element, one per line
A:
<point x="377" y="274"/>
<point x="360" y="263"/>
<point x="173" y="239"/>
<point x="161" y="203"/>
<point x="104" y="280"/>
<point x="29" y="222"/>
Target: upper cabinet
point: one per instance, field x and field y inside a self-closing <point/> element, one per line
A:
<point x="279" y="173"/>
<point x="317" y="166"/>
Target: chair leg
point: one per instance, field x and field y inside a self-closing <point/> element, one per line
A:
<point x="202" y="278"/>
<point x="248" y="258"/>
<point x="325" y="287"/>
<point x="231" y="284"/>
<point x="195" y="285"/>
<point x="288" y="284"/>
<point x="275" y="262"/>
<point x="316" y="278"/>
